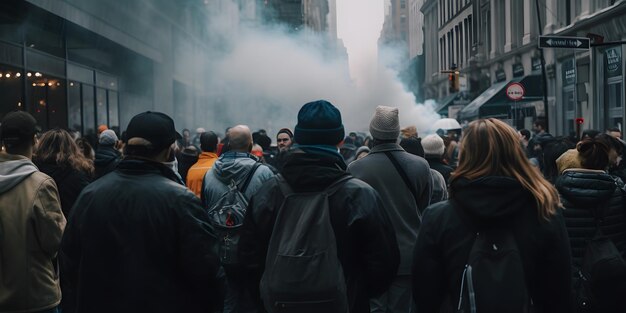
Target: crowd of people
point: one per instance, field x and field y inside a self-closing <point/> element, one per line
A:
<point x="483" y="219"/>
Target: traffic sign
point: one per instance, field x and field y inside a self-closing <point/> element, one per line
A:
<point x="515" y="91"/>
<point x="563" y="42"/>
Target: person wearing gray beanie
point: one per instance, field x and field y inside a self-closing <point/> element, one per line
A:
<point x="405" y="185"/>
<point x="434" y="149"/>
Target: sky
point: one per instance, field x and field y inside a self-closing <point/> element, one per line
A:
<point x="359" y="23"/>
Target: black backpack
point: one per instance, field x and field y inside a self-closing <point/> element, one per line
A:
<point x="494" y="279"/>
<point x="227" y="215"/>
<point x="302" y="271"/>
<point x="600" y="275"/>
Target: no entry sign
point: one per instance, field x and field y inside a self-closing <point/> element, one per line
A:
<point x="515" y="91"/>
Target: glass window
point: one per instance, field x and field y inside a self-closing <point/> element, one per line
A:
<point x="11" y="87"/>
<point x="569" y="104"/>
<point x="89" y="114"/>
<point x="101" y="107"/>
<point x="114" y="120"/>
<point x="57" y="109"/>
<point x="74" y="107"/>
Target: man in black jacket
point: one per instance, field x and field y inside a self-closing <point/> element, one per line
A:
<point x="366" y="243"/>
<point x="138" y="241"/>
<point x="107" y="155"/>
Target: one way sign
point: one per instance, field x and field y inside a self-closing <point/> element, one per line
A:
<point x="564" y="42"/>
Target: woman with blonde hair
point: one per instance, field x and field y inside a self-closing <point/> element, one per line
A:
<point x="58" y="155"/>
<point x="499" y="244"/>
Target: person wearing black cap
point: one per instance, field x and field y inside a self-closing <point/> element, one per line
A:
<point x="31" y="222"/>
<point x="138" y="240"/>
<point x="365" y="240"/>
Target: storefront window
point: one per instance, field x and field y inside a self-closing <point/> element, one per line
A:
<point x="114" y="120"/>
<point x="74" y="107"/>
<point x="89" y="114"/>
<point x="613" y="87"/>
<point x="46" y="99"/>
<point x="11" y="87"/>
<point x="101" y="107"/>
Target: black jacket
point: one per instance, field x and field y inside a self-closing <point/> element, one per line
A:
<point x="137" y="241"/>
<point x="438" y="165"/>
<point x="366" y="243"/>
<point x="107" y="158"/>
<point x="446" y="238"/>
<point x="70" y="183"/>
<point x="581" y="193"/>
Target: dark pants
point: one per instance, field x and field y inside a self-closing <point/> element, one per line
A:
<point x="238" y="298"/>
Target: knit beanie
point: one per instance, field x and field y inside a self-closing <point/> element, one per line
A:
<point x="433" y="146"/>
<point x="107" y="138"/>
<point x="385" y="124"/>
<point x="319" y="123"/>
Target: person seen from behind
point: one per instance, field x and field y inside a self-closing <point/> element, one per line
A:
<point x="594" y="201"/>
<point x="359" y="239"/>
<point x="206" y="159"/>
<point x="60" y="157"/>
<point x="107" y="154"/>
<point x="31" y="223"/>
<point x="499" y="244"/>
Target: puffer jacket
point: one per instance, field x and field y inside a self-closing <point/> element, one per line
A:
<point x="139" y="241"/>
<point x="366" y="242"/>
<point x="232" y="166"/>
<point x="583" y="191"/>
<point x="446" y="238"/>
<point x="31" y="227"/>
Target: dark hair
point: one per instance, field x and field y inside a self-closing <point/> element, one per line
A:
<point x="525" y="133"/>
<point x="611" y="142"/>
<point x="614" y="129"/>
<point x="552" y="150"/>
<point x="541" y="122"/>
<point x="594" y="154"/>
<point x="208" y="141"/>
<point x="413" y="146"/>
<point x="589" y="133"/>
<point x="376" y="142"/>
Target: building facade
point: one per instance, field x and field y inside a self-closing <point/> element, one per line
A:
<point x="495" y="42"/>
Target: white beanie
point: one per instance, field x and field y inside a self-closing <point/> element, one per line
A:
<point x="433" y="146"/>
<point x="107" y="138"/>
<point x="385" y="124"/>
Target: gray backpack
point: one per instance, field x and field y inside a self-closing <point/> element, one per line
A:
<point x="302" y="271"/>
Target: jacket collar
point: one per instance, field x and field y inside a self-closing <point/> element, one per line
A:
<point x="207" y="155"/>
<point x="142" y="166"/>
<point x="386" y="147"/>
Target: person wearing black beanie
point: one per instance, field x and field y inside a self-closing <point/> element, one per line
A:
<point x="365" y="242"/>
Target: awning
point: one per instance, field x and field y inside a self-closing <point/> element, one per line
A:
<point x="493" y="102"/>
<point x="442" y="108"/>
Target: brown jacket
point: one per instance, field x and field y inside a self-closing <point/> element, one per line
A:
<point x="31" y="227"/>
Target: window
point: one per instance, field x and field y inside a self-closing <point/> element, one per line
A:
<point x="11" y="87"/>
<point x="402" y="4"/>
<point x="46" y="99"/>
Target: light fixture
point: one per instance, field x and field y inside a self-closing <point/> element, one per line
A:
<point x="50" y="84"/>
<point x="29" y="74"/>
<point x="19" y="104"/>
<point x="71" y="84"/>
<point x="8" y="75"/>
<point x="18" y="74"/>
<point x="58" y="84"/>
<point x="38" y="74"/>
<point x="34" y="84"/>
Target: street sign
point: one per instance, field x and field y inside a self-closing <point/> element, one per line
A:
<point x="515" y="91"/>
<point x="563" y="42"/>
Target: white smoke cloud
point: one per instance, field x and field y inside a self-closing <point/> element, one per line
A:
<point x="265" y="74"/>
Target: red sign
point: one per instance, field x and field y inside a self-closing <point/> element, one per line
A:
<point x="515" y="91"/>
<point x="580" y="120"/>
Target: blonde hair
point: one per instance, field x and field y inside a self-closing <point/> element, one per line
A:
<point x="491" y="147"/>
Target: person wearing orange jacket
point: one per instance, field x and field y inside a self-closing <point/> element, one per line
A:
<point x="195" y="175"/>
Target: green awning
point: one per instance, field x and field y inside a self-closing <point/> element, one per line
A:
<point x="442" y="108"/>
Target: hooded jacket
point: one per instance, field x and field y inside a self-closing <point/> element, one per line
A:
<point x="232" y="166"/>
<point x="31" y="227"/>
<point x="446" y="238"/>
<point x="139" y="241"/>
<point x="584" y="192"/>
<point x="366" y="243"/>
<point x="107" y="158"/>
<point x="196" y="173"/>
<point x="379" y="172"/>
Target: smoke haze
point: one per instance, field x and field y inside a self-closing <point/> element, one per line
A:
<point x="264" y="74"/>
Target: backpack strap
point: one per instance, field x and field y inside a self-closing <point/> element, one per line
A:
<point x="405" y="178"/>
<point x="248" y="177"/>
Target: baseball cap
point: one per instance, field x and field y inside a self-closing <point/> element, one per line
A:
<point x="155" y="127"/>
<point x="18" y="126"/>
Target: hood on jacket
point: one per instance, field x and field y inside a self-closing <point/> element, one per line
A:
<point x="310" y="171"/>
<point x="232" y="166"/>
<point x="587" y="187"/>
<point x="106" y="155"/>
<point x="491" y="198"/>
<point x="13" y="172"/>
